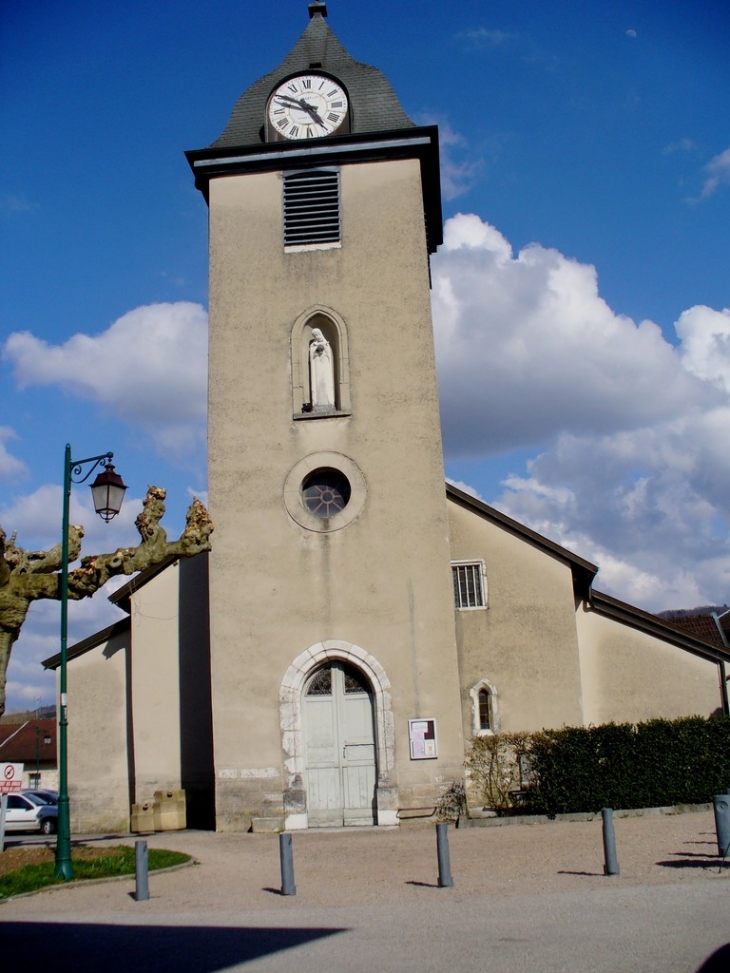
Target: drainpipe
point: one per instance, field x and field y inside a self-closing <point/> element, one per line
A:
<point x="721" y="663"/>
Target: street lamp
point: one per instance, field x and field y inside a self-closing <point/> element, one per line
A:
<point x="108" y="492"/>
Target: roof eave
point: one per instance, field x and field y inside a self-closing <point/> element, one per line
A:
<point x="421" y="143"/>
<point x="583" y="571"/>
<point x="643" y="621"/>
<point x="81" y="648"/>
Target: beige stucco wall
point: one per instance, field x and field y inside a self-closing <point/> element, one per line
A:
<point x="98" y="769"/>
<point x="629" y="676"/>
<point x="139" y="706"/>
<point x="381" y="583"/>
<point x="156" y="685"/>
<point x="525" y="642"/>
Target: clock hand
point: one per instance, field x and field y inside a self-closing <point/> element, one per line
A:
<point x="311" y="110"/>
<point x="303" y="106"/>
<point x="297" y="102"/>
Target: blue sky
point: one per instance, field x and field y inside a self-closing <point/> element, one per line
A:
<point x="583" y="347"/>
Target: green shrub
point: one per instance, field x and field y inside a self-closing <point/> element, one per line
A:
<point x="619" y="765"/>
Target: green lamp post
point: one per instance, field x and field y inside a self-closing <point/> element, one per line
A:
<point x="108" y="492"/>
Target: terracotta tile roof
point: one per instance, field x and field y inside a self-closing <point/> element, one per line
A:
<point x="703" y="627"/>
<point x="18" y="742"/>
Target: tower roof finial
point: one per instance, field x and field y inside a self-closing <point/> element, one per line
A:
<point x="317" y="7"/>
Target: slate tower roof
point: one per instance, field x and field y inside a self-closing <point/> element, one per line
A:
<point x="377" y="128"/>
<point x="374" y="104"/>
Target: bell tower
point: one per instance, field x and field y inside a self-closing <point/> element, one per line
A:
<point x="335" y="688"/>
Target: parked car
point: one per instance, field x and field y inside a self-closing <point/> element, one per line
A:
<point x="49" y="797"/>
<point x="24" y="813"/>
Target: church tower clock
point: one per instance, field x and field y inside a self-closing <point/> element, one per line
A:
<point x="335" y="687"/>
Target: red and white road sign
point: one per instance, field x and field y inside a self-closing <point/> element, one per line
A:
<point x="11" y="778"/>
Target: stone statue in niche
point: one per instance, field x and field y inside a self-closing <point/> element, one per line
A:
<point x="321" y="373"/>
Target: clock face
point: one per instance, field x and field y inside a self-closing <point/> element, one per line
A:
<point x="307" y="107"/>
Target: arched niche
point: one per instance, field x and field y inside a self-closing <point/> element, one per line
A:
<point x="334" y="330"/>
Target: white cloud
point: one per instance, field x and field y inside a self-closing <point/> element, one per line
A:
<point x="465" y="488"/>
<point x="631" y="430"/>
<point x="40" y="639"/>
<point x="483" y="37"/>
<point x="36" y="519"/>
<point x="149" y="368"/>
<point x="718" y="173"/>
<point x="459" y="171"/>
<point x="681" y="145"/>
<point x="10" y="467"/>
<point x="11" y="203"/>
<point x="527" y="347"/>
<point x="705" y="350"/>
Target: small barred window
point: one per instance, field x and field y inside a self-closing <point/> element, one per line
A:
<point x="312" y="207"/>
<point x="469" y="586"/>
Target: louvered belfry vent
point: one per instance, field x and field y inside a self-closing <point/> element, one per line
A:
<point x="312" y="207"/>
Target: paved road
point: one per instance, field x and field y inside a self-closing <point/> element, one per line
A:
<point x="369" y="902"/>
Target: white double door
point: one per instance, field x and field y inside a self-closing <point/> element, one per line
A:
<point x="340" y="748"/>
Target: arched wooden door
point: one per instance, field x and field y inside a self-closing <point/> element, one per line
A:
<point x="339" y="747"/>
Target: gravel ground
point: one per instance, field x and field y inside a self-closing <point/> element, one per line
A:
<point x="373" y="866"/>
<point x="525" y="897"/>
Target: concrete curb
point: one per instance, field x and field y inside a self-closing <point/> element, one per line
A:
<point x="527" y="819"/>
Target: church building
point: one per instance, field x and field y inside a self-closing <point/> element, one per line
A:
<point x="358" y="621"/>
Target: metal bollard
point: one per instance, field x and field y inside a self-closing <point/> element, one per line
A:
<point x="442" y="849"/>
<point x="721" y="806"/>
<point x="611" y="866"/>
<point x="141" y="870"/>
<point x="287" y="865"/>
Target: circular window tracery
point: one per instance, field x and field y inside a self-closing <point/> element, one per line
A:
<point x="326" y="492"/>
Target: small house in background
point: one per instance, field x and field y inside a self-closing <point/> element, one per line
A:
<point x="33" y="744"/>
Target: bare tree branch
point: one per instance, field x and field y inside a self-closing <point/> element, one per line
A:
<point x="26" y="576"/>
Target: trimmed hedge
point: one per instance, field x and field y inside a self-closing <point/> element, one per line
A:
<point x="622" y="765"/>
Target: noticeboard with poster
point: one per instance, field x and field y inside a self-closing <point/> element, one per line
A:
<point x="422" y="736"/>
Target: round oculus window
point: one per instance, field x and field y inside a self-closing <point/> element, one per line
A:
<point x="326" y="492"/>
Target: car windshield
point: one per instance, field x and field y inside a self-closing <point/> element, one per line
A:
<point x="37" y="799"/>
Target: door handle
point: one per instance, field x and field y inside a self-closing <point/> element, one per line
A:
<point x="343" y="751"/>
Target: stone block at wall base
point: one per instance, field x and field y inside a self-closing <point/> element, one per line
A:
<point x="169" y="810"/>
<point x="142" y="820"/>
<point x="267" y="825"/>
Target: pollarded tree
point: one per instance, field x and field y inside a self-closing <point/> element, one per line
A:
<point x="26" y="576"/>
